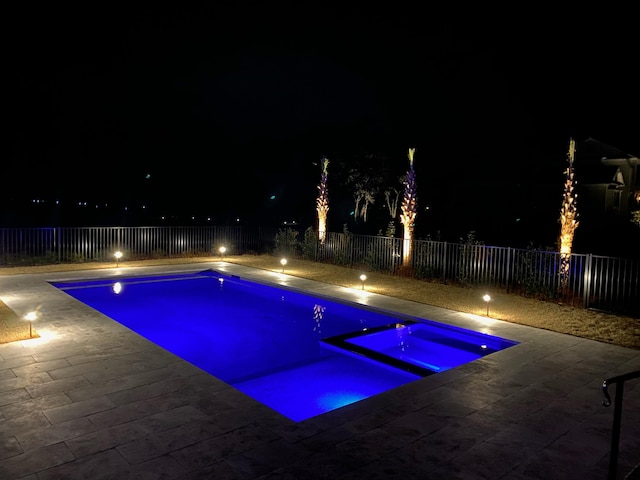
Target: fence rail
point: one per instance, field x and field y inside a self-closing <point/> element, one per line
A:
<point x="605" y="283"/>
<point x="20" y="246"/>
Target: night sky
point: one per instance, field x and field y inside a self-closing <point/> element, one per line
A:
<point x="213" y="110"/>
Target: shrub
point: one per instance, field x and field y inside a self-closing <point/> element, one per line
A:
<point x="286" y="242"/>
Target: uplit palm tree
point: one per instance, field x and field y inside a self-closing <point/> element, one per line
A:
<point x="322" y="203"/>
<point x="568" y="217"/>
<point x="409" y="209"/>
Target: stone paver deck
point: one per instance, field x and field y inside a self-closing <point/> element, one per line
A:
<point x="91" y="399"/>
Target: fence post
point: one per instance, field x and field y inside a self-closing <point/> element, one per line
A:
<point x="56" y="244"/>
<point x="507" y="279"/>
<point x="444" y="262"/>
<point x="586" y="281"/>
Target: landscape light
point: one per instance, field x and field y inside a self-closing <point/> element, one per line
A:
<point x="283" y="262"/>
<point x="30" y="317"/>
<point x="363" y="277"/>
<point x="118" y="256"/>
<point x="222" y="250"/>
<point x="487" y="298"/>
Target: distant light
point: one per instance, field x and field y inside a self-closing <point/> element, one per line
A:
<point x="272" y="197"/>
<point x="517" y="219"/>
<point x="238" y="219"/>
<point x="144" y="206"/>
<point x="351" y="213"/>
<point x="147" y="176"/>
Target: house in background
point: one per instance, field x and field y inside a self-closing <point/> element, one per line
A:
<point x="608" y="194"/>
<point x="607" y="180"/>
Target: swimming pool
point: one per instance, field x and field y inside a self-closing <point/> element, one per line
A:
<point x="299" y="354"/>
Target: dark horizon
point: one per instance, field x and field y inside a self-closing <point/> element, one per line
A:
<point x="223" y="111"/>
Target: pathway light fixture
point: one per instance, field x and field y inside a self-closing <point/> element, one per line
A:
<point x="31" y="317"/>
<point x="118" y="256"/>
<point x="487" y="299"/>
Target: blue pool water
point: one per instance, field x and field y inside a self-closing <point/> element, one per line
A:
<point x="300" y="355"/>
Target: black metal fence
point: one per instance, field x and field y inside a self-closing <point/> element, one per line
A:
<point x="605" y="283"/>
<point x="31" y="246"/>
